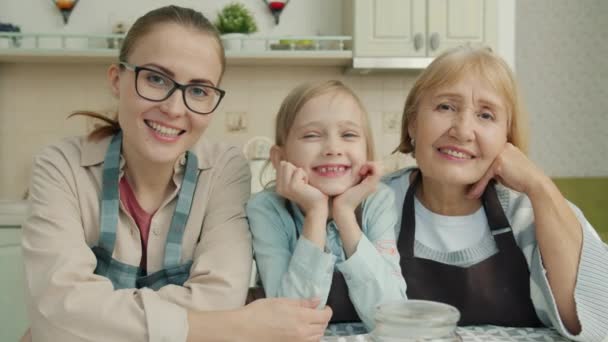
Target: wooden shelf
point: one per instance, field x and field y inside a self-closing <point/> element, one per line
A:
<point x="63" y="48"/>
<point x="240" y="58"/>
<point x="293" y="58"/>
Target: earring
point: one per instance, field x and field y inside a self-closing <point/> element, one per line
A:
<point x="413" y="143"/>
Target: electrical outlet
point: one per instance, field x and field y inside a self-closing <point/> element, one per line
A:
<point x="391" y="122"/>
<point x="236" y="122"/>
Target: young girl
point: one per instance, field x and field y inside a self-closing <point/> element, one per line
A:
<point x="324" y="231"/>
<point x="513" y="254"/>
<point x="138" y="232"/>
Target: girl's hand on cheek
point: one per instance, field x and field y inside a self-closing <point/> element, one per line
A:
<point x="370" y="174"/>
<point x="292" y="183"/>
<point x="512" y="169"/>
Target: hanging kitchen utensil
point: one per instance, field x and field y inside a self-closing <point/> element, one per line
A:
<point x="276" y="7"/>
<point x="65" y="7"/>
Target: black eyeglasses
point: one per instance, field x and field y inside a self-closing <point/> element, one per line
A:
<point x="155" y="86"/>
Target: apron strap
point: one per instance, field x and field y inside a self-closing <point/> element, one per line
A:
<point x="405" y="241"/>
<point x="110" y="199"/>
<point x="110" y="203"/>
<point x="173" y="246"/>
<point x="497" y="219"/>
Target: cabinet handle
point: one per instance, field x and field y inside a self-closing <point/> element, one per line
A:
<point x="418" y="41"/>
<point x="434" y="41"/>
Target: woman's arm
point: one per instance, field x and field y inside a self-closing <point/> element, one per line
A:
<point x="66" y="300"/>
<point x="276" y="319"/>
<point x="559" y="237"/>
<point x="558" y="231"/>
<point x="221" y="269"/>
<point x="591" y="280"/>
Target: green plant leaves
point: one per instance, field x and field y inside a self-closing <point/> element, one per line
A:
<point x="235" y="18"/>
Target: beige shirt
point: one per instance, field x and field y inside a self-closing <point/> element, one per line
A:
<point x="68" y="302"/>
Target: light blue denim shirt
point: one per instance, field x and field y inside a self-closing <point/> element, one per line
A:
<point x="296" y="268"/>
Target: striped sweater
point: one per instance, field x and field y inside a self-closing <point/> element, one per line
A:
<point x="592" y="279"/>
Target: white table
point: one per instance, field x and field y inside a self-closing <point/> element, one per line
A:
<point x="485" y="333"/>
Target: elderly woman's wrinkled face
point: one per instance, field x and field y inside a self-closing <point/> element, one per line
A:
<point x="459" y="129"/>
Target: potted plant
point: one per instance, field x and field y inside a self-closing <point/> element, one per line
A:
<point x="234" y="20"/>
<point x="10" y="28"/>
<point x="118" y="30"/>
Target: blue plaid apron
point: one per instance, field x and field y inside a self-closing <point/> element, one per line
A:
<point x="129" y="276"/>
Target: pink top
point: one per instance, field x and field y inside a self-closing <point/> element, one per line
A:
<point x="141" y="217"/>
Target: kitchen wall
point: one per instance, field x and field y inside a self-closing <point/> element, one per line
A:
<point x="36" y="98"/>
<point x="562" y="66"/>
<point x="300" y="17"/>
<point x="560" y="52"/>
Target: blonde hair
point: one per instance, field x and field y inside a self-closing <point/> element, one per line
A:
<point x="454" y="65"/>
<point x="298" y="97"/>
<point x="185" y="17"/>
<point x="295" y="101"/>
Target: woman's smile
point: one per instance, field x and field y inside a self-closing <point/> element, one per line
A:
<point x="455" y="153"/>
<point x="163" y="132"/>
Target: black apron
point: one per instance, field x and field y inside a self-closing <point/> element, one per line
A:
<point x="494" y="291"/>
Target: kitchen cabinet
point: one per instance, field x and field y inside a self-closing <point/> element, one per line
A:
<point x="12" y="291"/>
<point x="452" y="23"/>
<point x="389" y="28"/>
<point x="421" y="28"/>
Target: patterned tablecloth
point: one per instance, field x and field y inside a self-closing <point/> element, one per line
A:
<point x="486" y="333"/>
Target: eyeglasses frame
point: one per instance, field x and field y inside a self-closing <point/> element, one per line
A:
<point x="176" y="85"/>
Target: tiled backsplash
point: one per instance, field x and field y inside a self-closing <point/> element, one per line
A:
<point x="35" y="100"/>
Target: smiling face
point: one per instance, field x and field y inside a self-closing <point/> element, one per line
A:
<point x="159" y="132"/>
<point x="327" y="140"/>
<point x="459" y="129"/>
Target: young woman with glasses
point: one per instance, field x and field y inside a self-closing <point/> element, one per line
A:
<point x="138" y="230"/>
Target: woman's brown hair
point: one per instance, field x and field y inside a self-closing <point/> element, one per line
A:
<point x="185" y="17"/>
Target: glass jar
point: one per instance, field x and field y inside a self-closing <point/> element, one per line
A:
<point x="416" y="320"/>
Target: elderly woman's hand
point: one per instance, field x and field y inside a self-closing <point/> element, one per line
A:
<point x="513" y="169"/>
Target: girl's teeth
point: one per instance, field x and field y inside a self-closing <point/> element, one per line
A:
<point x="163" y="130"/>
<point x="456" y="154"/>
<point x="332" y="169"/>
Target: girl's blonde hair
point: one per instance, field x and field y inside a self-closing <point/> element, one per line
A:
<point x="185" y="17"/>
<point x="292" y="105"/>
<point x="456" y="64"/>
<point x="298" y="97"/>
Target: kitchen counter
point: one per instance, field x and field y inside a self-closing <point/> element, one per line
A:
<point x="12" y="213"/>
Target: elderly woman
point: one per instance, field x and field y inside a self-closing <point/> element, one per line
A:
<point x="482" y="228"/>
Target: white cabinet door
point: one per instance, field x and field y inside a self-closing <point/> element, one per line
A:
<point x="453" y="23"/>
<point x="12" y="292"/>
<point x="389" y="28"/>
